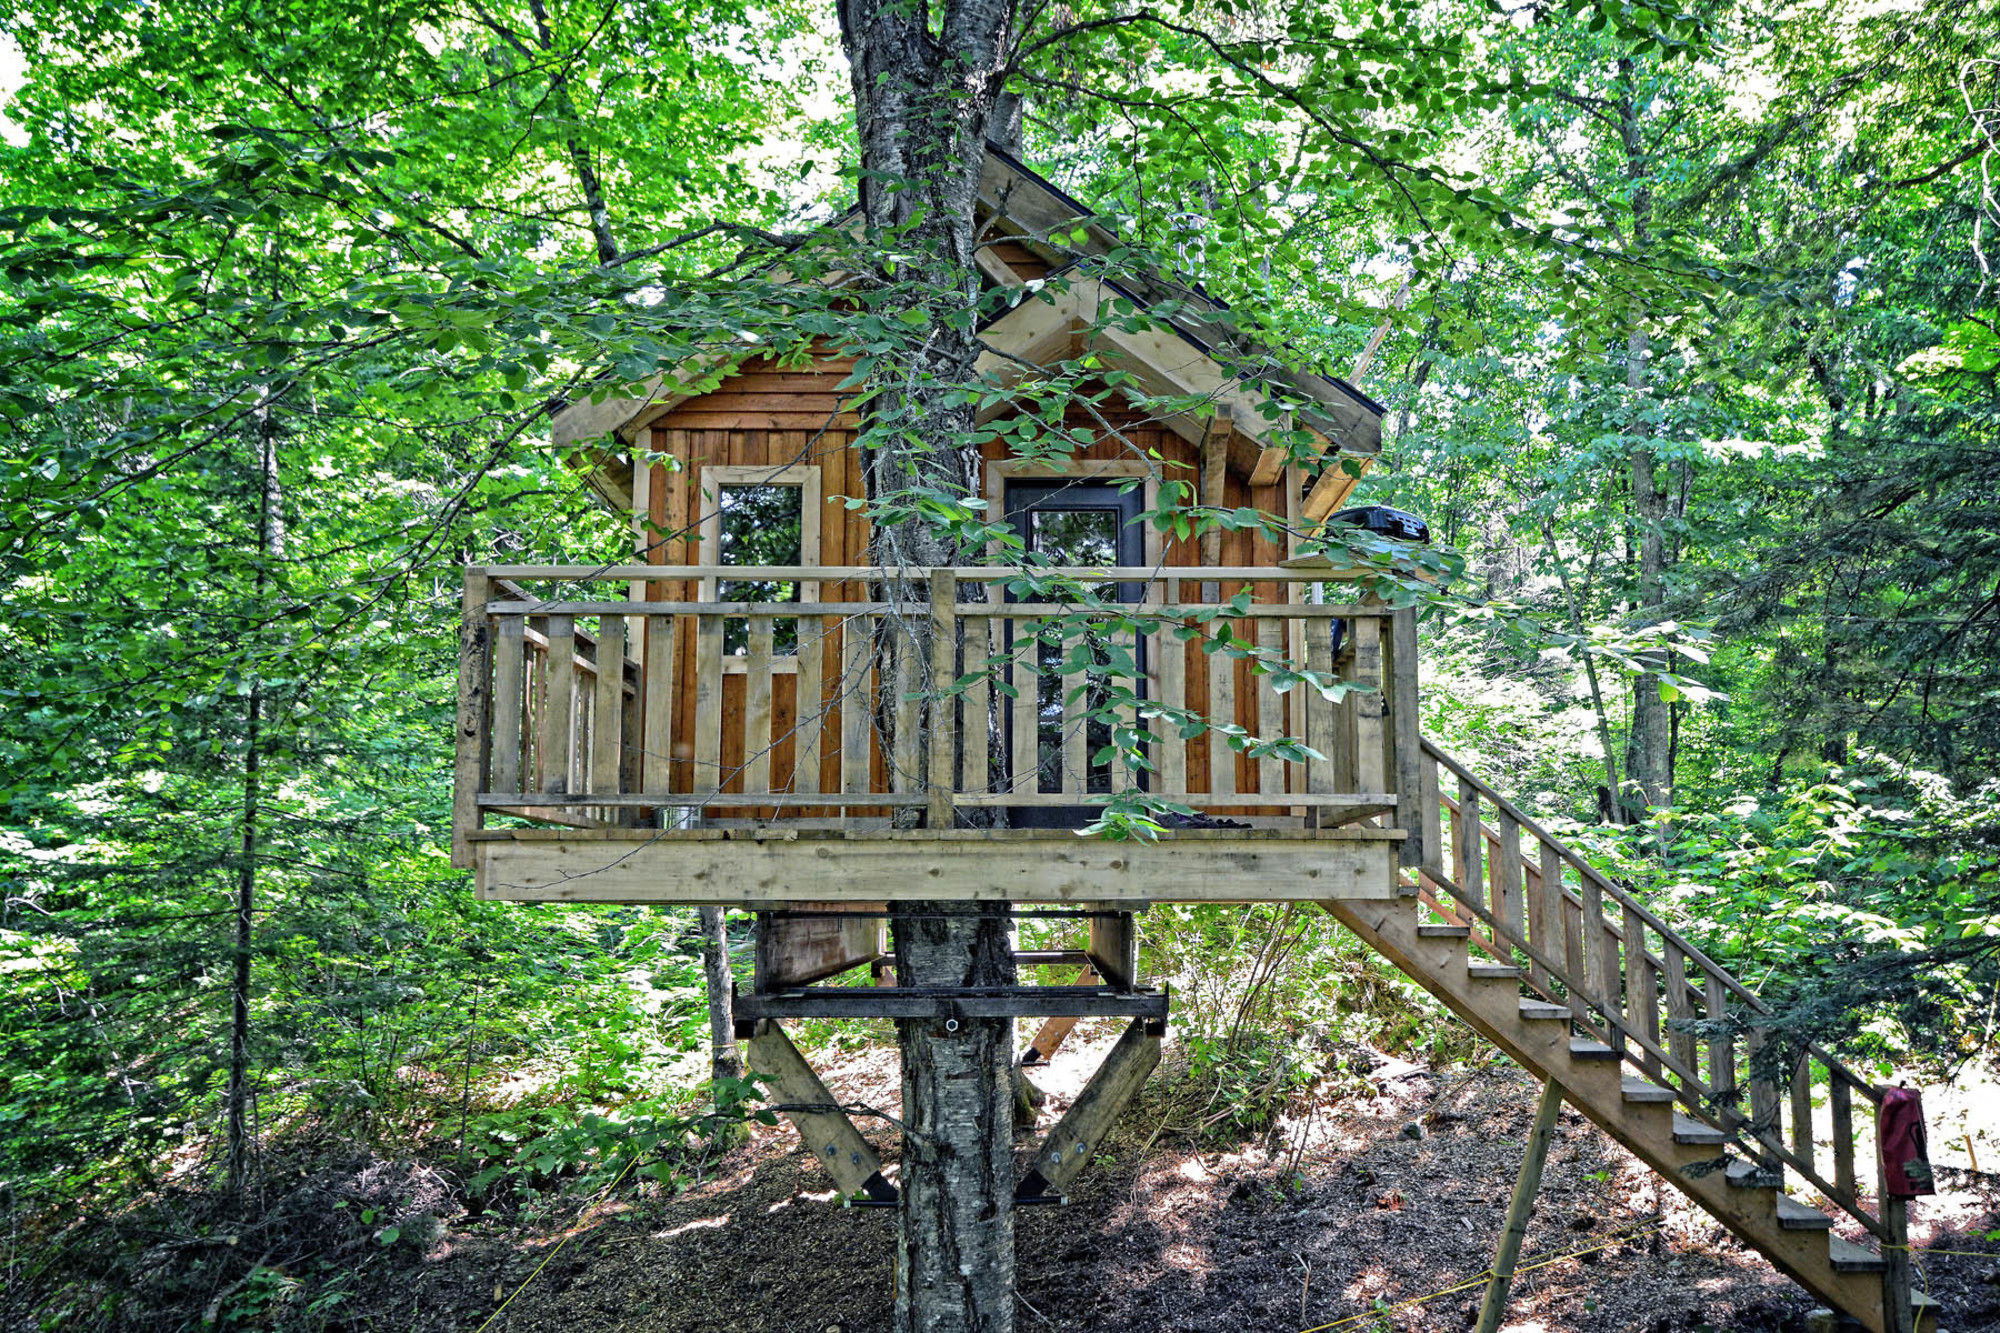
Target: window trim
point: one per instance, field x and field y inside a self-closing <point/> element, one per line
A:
<point x="708" y="527"/>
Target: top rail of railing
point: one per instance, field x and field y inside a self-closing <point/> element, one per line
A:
<point x="964" y="573"/>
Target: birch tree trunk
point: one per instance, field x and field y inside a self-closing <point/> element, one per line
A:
<point x="926" y="95"/>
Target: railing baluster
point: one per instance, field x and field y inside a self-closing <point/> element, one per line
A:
<point x="1434" y="858"/>
<point x="757" y="730"/>
<point x="658" y="689"/>
<point x="1073" y="688"/>
<point x="1576" y="964"/>
<point x="1604" y="969"/>
<point x="708" y="703"/>
<point x="1222" y="711"/>
<point x="1802" y="1125"/>
<point x="976" y="738"/>
<point x="1170" y="753"/>
<point x="553" y="752"/>
<point x="1320" y="716"/>
<point x="944" y="730"/>
<point x="1766" y="1121"/>
<point x="509" y="671"/>
<point x="1840" y="1099"/>
<point x="1370" y="722"/>
<point x="1642" y="987"/>
<point x="808" y="703"/>
<point x="1467" y="839"/>
<point x="906" y="708"/>
<point x="1025" y="775"/>
<point x="1406" y="744"/>
<point x="607" y="727"/>
<point x="1270" y="709"/>
<point x="1548" y="925"/>
<point x="1506" y="878"/>
<point x="1680" y="1007"/>
<point x="857" y="704"/>
<point x="1722" y="1045"/>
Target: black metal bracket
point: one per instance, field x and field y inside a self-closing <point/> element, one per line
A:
<point x="951" y="1003"/>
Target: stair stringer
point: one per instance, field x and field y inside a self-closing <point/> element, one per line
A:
<point x="1595" y="1088"/>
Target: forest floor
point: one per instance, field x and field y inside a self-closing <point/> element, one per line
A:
<point x="1358" y="1205"/>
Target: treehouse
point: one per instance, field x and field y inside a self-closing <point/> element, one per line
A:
<point x="750" y="714"/>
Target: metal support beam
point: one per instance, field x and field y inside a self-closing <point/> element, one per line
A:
<point x="829" y="1135"/>
<point x="952" y="1002"/>
<point x="1522" y="1207"/>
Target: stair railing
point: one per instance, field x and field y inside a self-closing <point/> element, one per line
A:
<point x="1639" y="986"/>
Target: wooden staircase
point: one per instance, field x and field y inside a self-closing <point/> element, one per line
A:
<point x="1571" y="976"/>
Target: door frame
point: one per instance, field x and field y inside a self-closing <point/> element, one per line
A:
<point x="998" y="473"/>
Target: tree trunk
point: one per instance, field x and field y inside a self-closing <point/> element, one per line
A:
<point x="270" y="545"/>
<point x="1646" y="746"/>
<point x="1646" y="760"/>
<point x="926" y="88"/>
<point x="724" y="1059"/>
<point x="955" y="1247"/>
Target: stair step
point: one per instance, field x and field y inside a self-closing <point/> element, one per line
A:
<point x="1754" y="1176"/>
<point x="1847" y="1257"/>
<point x="1493" y="972"/>
<point x="1434" y="931"/>
<point x="1689" y="1130"/>
<point x="1646" y="1091"/>
<point x="1581" y="1049"/>
<point x="1543" y="1011"/>
<point x="1795" y="1216"/>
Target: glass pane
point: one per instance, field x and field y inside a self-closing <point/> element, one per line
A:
<point x="759" y="525"/>
<point x="1075" y="536"/>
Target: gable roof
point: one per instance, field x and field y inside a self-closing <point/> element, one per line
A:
<point x="1197" y="352"/>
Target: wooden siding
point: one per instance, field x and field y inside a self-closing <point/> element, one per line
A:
<point x="779" y="417"/>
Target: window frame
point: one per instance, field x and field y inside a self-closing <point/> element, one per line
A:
<point x="805" y="477"/>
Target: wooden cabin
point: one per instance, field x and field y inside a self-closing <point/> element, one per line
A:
<point x="728" y="719"/>
<point x="750" y="710"/>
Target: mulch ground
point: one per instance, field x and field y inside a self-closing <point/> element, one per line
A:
<point x="1349" y="1209"/>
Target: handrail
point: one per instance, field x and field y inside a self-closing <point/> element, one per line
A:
<point x="986" y="610"/>
<point x="917" y="573"/>
<point x="1642" y="968"/>
<point x="1625" y="899"/>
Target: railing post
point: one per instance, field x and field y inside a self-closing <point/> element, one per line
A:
<point x="944" y="670"/>
<point x="1404" y="738"/>
<point x="1897" y="1314"/>
<point x="473" y="672"/>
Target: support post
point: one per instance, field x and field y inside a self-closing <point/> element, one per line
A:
<point x="1114" y="949"/>
<point x="1522" y="1207"/>
<point x="1898" y="1315"/>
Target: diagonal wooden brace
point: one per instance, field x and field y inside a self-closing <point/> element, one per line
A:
<point x="1070" y="1144"/>
<point x="829" y="1135"/>
<point x="1049" y="1038"/>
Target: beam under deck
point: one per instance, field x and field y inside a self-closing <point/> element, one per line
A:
<point x="774" y="867"/>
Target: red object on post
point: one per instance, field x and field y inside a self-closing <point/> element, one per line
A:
<point x="1899" y="1138"/>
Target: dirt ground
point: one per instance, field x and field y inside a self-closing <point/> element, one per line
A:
<point x="1342" y="1214"/>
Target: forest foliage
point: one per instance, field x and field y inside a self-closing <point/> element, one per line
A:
<point x="1688" y="342"/>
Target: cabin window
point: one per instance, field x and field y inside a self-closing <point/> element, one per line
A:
<point x="761" y="517"/>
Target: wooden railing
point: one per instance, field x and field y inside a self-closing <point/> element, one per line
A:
<point x="929" y="688"/>
<point x="1641" y="987"/>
